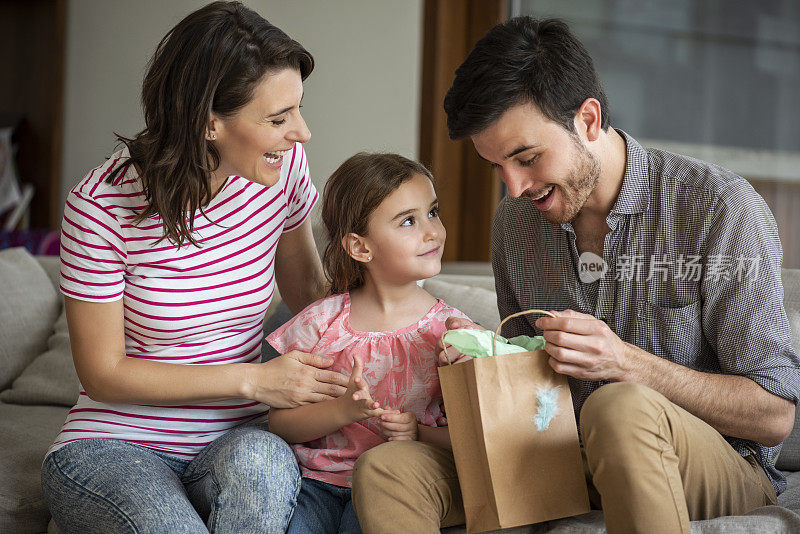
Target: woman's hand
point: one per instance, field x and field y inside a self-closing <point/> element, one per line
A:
<point x="293" y="379"/>
<point x="452" y="355"/>
<point x="357" y="403"/>
<point x="399" y="426"/>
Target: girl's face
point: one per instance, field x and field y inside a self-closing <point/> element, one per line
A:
<point x="405" y="236"/>
<point x="252" y="142"/>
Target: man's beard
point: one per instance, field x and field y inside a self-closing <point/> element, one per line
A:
<point x="577" y="188"/>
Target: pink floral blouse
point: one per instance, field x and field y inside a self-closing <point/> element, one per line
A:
<point x="399" y="368"/>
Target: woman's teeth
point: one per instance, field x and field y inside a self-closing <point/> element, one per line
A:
<point x="547" y="192"/>
<point x="274" y="157"/>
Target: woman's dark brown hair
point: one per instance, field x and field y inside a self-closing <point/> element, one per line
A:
<point x="210" y="62"/>
<point x="352" y="193"/>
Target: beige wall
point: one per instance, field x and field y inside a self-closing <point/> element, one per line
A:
<point x="362" y="95"/>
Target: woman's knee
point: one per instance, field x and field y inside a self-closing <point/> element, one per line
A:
<point x="113" y="486"/>
<point x="254" y="454"/>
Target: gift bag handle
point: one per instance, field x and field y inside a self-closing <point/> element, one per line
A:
<point x="526" y="312"/>
<point x="496" y="332"/>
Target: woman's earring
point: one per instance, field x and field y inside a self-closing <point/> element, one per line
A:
<point x="213" y="136"/>
<point x="369" y="258"/>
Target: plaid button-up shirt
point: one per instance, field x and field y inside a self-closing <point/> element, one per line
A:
<point x="693" y="275"/>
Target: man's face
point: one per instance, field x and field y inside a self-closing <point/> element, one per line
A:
<point x="540" y="160"/>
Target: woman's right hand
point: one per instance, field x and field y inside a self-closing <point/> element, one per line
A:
<point x="294" y="379"/>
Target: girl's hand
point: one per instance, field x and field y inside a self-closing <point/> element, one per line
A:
<point x="397" y="426"/>
<point x="293" y="379"/>
<point x="357" y="402"/>
<point x="454" y="323"/>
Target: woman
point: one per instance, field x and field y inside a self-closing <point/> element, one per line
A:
<point x="170" y="251"/>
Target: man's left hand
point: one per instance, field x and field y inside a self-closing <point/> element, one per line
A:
<point x="584" y="347"/>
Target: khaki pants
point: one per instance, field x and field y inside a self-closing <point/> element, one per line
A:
<point x="651" y="465"/>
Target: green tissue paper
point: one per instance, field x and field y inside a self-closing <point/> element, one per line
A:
<point x="528" y="342"/>
<point x="478" y="343"/>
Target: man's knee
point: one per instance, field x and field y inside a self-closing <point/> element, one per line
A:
<point x="617" y="404"/>
<point x="408" y="483"/>
<point x="391" y="460"/>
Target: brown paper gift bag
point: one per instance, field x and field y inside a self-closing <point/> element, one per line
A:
<point x="511" y="473"/>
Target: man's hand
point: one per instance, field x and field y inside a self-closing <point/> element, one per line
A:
<point x="584" y="347"/>
<point x="397" y="426"/>
<point x="452" y="355"/>
<point x="357" y="403"/>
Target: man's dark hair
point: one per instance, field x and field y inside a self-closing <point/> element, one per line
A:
<point x="523" y="61"/>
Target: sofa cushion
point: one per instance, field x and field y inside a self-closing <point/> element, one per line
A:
<point x="789" y="458"/>
<point x="28" y="308"/>
<point x="51" y="377"/>
<point x="26" y="432"/>
<point x="479" y="303"/>
<point x="52" y="266"/>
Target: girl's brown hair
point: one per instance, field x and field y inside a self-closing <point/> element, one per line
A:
<point x="352" y="193"/>
<point x="210" y="62"/>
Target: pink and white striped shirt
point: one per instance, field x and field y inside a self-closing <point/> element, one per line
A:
<point x="190" y="306"/>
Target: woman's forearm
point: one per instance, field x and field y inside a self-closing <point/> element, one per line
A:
<point x="136" y="381"/>
<point x="97" y="338"/>
<point x="308" y="422"/>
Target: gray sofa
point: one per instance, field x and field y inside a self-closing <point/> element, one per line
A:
<point x="38" y="385"/>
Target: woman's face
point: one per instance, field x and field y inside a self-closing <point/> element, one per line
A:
<point x="252" y="142"/>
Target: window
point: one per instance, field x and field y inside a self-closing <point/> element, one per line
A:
<point x="713" y="79"/>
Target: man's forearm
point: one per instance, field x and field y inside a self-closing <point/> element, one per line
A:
<point x="734" y="405"/>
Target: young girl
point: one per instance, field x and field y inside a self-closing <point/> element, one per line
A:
<point x="379" y="326"/>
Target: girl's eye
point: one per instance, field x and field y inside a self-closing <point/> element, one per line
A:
<point x="409" y="221"/>
<point x="278" y="122"/>
<point x="434" y="212"/>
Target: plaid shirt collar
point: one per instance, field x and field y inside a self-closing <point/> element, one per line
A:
<point x="634" y="197"/>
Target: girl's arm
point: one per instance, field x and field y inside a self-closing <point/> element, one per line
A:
<point x="96" y="332"/>
<point x="306" y="423"/>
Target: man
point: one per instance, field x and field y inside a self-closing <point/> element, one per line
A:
<point x="677" y="346"/>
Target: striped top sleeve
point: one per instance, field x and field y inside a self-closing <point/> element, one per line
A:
<point x="93" y="252"/>
<point x="300" y="192"/>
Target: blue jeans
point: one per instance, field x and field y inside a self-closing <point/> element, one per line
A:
<point x="245" y="481"/>
<point x="323" y="508"/>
